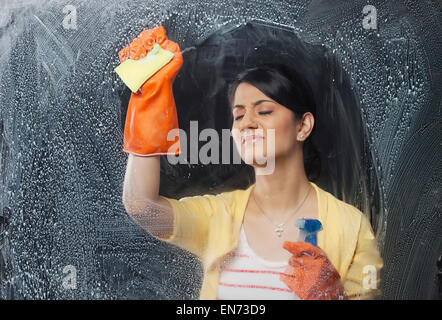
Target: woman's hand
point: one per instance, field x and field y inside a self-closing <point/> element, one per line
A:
<point x="144" y="43"/>
<point x="310" y="274"/>
<point x="151" y="113"/>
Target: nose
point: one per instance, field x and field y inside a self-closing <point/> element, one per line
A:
<point x="248" y="122"/>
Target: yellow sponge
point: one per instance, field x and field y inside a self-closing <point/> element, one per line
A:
<point x="135" y="72"/>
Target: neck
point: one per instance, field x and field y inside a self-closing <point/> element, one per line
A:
<point x="281" y="192"/>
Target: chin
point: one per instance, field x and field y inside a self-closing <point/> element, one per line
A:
<point x="254" y="157"/>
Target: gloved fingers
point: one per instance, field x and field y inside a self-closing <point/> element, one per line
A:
<point x="297" y="261"/>
<point x="150" y="36"/>
<point x="148" y="43"/>
<point x="160" y="34"/>
<point x="301" y="248"/>
<point x="290" y="275"/>
<point x="322" y="267"/>
<point x="123" y="54"/>
<point x="175" y="64"/>
<point x="147" y="38"/>
<point x="297" y="247"/>
<point x="295" y="279"/>
<point x="171" y="46"/>
<point x="136" y="49"/>
<point x="314" y="279"/>
<point x="299" y="272"/>
<point x="306" y="263"/>
<point x="143" y="44"/>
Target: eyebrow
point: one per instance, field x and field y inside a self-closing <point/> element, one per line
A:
<point x="253" y="104"/>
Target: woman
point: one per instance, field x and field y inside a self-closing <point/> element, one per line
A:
<point x="247" y="239"/>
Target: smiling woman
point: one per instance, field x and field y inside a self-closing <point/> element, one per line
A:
<point x="274" y="97"/>
<point x="283" y="98"/>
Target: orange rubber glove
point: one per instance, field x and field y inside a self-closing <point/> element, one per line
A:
<point x="151" y="112"/>
<point x="310" y="274"/>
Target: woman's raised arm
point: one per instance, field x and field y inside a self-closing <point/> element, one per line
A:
<point x="151" y="118"/>
<point x="141" y="199"/>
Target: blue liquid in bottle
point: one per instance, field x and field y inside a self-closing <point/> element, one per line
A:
<point x="309" y="229"/>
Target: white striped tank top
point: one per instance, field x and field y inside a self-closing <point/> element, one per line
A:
<point x="246" y="276"/>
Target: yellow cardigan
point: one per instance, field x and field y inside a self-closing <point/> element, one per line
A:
<point x="208" y="226"/>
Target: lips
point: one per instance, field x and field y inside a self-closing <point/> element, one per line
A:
<point x="251" y="139"/>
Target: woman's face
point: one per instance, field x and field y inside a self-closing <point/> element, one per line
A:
<point x="262" y="127"/>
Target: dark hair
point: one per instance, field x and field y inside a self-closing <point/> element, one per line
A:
<point x="288" y="88"/>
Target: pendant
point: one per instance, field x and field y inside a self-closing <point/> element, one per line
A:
<point x="279" y="229"/>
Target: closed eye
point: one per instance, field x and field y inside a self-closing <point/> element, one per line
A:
<point x="262" y="112"/>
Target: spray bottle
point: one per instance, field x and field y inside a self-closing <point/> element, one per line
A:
<point x="308" y="229"/>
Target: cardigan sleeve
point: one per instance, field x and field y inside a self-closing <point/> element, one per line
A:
<point x="191" y="222"/>
<point x="362" y="280"/>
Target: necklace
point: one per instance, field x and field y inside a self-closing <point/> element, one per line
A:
<point x="280" y="227"/>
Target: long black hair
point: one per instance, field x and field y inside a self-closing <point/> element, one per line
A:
<point x="288" y="88"/>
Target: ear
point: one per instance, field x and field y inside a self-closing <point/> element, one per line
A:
<point x="306" y="124"/>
